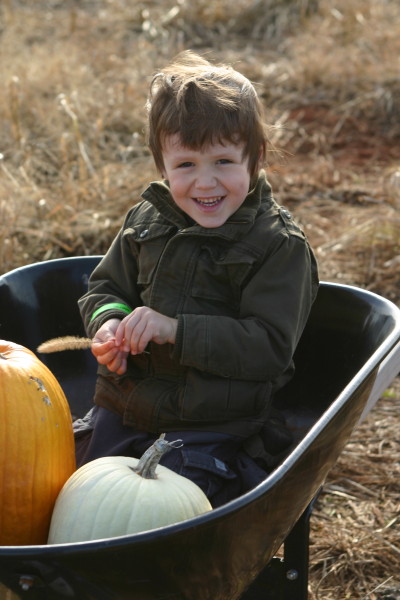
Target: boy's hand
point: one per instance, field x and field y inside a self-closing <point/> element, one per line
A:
<point x="116" y="339"/>
<point x="142" y="326"/>
<point x="106" y="351"/>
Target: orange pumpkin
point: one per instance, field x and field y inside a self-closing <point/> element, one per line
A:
<point x="36" y="445"/>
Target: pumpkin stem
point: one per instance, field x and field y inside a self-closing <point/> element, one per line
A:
<point x="148" y="462"/>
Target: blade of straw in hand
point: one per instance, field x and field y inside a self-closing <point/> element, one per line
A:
<point x="68" y="342"/>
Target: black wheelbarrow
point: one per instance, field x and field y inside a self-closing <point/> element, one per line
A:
<point x="348" y="354"/>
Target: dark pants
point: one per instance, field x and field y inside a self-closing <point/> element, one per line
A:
<point x="214" y="461"/>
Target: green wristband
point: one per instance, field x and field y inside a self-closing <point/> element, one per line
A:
<point x="111" y="306"/>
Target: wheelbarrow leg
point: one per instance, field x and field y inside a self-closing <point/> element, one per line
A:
<point x="296" y="557"/>
<point x="286" y="579"/>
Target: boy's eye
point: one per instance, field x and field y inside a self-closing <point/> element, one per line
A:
<point x="185" y="164"/>
<point x="224" y="161"/>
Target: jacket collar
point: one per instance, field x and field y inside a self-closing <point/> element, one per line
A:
<point x="158" y="194"/>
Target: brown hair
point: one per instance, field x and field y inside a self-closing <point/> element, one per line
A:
<point x="205" y="104"/>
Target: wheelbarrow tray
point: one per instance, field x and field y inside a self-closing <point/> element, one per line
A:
<point x="350" y="335"/>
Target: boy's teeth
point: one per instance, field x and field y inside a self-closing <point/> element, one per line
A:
<point x="209" y="201"/>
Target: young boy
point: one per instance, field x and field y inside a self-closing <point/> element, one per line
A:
<point x="197" y="307"/>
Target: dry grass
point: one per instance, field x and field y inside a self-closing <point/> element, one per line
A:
<point x="74" y="87"/>
<point x="355" y="538"/>
<point x="73" y="159"/>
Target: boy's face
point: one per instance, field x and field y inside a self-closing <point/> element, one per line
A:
<point x="209" y="185"/>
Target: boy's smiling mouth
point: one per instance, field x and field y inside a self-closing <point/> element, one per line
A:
<point x="209" y="202"/>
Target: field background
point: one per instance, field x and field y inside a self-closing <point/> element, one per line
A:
<point x="74" y="78"/>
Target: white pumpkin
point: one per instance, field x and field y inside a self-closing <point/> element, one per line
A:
<point x="119" y="495"/>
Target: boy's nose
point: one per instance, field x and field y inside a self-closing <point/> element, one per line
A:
<point x="206" y="180"/>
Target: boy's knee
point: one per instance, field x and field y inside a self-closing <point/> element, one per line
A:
<point x="212" y="475"/>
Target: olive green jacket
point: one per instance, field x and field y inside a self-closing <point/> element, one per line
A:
<point x="241" y="292"/>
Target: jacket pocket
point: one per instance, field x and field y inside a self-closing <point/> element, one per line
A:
<point x="227" y="270"/>
<point x="212" y="399"/>
<point x="151" y="402"/>
<point x="149" y="241"/>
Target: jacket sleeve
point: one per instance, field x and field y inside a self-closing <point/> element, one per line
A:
<point x="112" y="290"/>
<point x="275" y="305"/>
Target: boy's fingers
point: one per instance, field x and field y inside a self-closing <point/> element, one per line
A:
<point x="105" y="359"/>
<point x="106" y="344"/>
<point x="124" y="332"/>
<point x="118" y="365"/>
